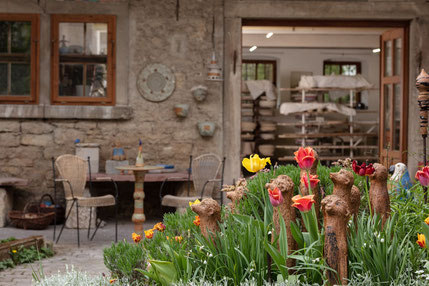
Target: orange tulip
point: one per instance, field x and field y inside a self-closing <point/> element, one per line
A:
<point x="178" y="238"/>
<point x="197" y="220"/>
<point x="427" y="220"/>
<point x="136" y="237"/>
<point x="148" y="233"/>
<point x="303" y="203"/>
<point x="305" y="157"/>
<point x="421" y="240"/>
<point x="313" y="181"/>
<point x="159" y="227"/>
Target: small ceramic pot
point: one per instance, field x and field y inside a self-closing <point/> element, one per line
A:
<point x="207" y="128"/>
<point x="181" y="110"/>
<point x="199" y="92"/>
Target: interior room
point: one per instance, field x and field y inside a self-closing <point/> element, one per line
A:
<point x="325" y="91"/>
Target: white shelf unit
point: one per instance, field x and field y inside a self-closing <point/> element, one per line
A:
<point x="353" y="140"/>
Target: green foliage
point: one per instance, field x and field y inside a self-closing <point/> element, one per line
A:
<point x="379" y="250"/>
<point x="5" y="264"/>
<point x="123" y="258"/>
<point x="8" y="239"/>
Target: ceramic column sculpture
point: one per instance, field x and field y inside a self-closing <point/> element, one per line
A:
<point x="209" y="213"/>
<point x="335" y="217"/>
<point x="315" y="191"/>
<point x="285" y="209"/>
<point x="378" y="194"/>
<point x="422" y="84"/>
<point x="343" y="183"/>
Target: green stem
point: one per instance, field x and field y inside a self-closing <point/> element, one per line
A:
<point x="367" y="196"/>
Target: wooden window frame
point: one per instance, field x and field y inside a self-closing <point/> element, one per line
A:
<point x="110" y="20"/>
<point x="33" y="98"/>
<point x="272" y="62"/>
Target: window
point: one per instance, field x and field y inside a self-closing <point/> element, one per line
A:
<point x="19" y="58"/>
<point x="83" y="59"/>
<point x="341" y="68"/>
<point x="259" y="69"/>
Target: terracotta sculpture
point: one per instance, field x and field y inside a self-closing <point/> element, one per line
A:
<point x="355" y="201"/>
<point x="209" y="213"/>
<point x="315" y="191"/>
<point x="335" y="216"/>
<point x="285" y="209"/>
<point x="378" y="194"/>
<point x="235" y="193"/>
<point x="118" y="153"/>
<point x="343" y="183"/>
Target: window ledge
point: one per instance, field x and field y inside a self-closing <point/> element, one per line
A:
<point x="65" y="112"/>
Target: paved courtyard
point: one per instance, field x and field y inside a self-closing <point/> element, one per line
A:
<point x="88" y="258"/>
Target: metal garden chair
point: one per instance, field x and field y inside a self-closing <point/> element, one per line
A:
<point x="73" y="172"/>
<point x="206" y="170"/>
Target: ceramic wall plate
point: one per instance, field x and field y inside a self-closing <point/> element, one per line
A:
<point x="156" y="82"/>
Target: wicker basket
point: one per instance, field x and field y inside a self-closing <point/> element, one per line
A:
<point x="58" y="209"/>
<point x="27" y="220"/>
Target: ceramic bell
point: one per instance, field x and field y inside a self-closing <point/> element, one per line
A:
<point x="181" y="110"/>
<point x="207" y="128"/>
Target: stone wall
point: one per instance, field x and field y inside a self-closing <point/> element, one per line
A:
<point x="27" y="145"/>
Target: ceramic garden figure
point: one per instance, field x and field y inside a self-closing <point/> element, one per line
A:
<point x="401" y="177"/>
<point x="118" y="153"/>
<point x="335" y="216"/>
<point x="285" y="209"/>
<point x="378" y="194"/>
<point x="343" y="183"/>
<point x="235" y="193"/>
<point x="355" y="203"/>
<point x="315" y="191"/>
<point x="209" y="212"/>
<point x="139" y="159"/>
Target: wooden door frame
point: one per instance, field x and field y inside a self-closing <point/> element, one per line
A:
<point x="232" y="67"/>
<point x="403" y="142"/>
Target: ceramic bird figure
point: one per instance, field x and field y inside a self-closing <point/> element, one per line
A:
<point x="401" y="176"/>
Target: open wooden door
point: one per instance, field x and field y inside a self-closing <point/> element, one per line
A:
<point x="393" y="97"/>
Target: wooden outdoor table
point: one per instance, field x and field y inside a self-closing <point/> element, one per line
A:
<point x="149" y="177"/>
<point x="139" y="175"/>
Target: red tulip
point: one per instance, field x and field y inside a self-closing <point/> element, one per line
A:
<point x="363" y="170"/>
<point x="276" y="197"/>
<point x="423" y="176"/>
<point x="305" y="157"/>
<point x="303" y="203"/>
<point x="313" y="181"/>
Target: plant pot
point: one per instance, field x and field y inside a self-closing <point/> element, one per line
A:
<point x="181" y="110"/>
<point x="207" y="128"/>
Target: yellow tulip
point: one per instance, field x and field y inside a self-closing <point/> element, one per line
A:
<point x="427" y="220"/>
<point x="197" y="201"/>
<point x="254" y="163"/>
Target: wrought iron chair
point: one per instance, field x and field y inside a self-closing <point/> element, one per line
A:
<point x="73" y="172"/>
<point x="206" y="170"/>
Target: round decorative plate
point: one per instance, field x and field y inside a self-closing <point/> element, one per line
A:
<point x="156" y="82"/>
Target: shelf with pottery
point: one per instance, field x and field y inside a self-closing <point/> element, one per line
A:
<point x="310" y="129"/>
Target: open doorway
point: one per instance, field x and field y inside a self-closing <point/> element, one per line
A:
<point x="339" y="88"/>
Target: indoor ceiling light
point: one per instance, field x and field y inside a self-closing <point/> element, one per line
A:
<point x="269" y="35"/>
<point x="377" y="50"/>
<point x="253" y="48"/>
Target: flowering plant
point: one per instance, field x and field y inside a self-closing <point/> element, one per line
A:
<point x="305" y="157"/>
<point x="136" y="237"/>
<point x="363" y="170"/>
<point x="254" y="163"/>
<point x="313" y="181"/>
<point x="304" y="204"/>
<point x="276" y="197"/>
<point x="423" y="176"/>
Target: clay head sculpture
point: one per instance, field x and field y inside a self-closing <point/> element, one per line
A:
<point x="336" y="213"/>
<point x="378" y="193"/>
<point x="343" y="182"/>
<point x="209" y="213"/>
